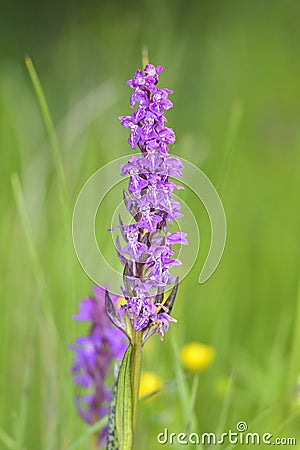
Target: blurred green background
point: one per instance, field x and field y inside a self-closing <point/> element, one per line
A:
<point x="235" y="69"/>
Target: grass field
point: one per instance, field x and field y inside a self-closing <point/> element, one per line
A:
<point x="235" y="70"/>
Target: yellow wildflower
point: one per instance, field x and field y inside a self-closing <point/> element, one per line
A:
<point x="196" y="356"/>
<point x="150" y="383"/>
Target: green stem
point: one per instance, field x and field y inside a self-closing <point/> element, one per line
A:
<point x="95" y="440"/>
<point x="145" y="56"/>
<point x="95" y="436"/>
<point x="49" y="127"/>
<point x="136" y="366"/>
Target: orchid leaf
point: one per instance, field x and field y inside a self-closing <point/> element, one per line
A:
<point x="113" y="314"/>
<point x="112" y="438"/>
<point x="171" y="299"/>
<point x="124" y="424"/>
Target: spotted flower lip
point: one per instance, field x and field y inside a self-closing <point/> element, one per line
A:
<point x="134" y="248"/>
<point x="148" y="254"/>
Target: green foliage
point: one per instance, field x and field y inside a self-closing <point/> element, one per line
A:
<point x="234" y="67"/>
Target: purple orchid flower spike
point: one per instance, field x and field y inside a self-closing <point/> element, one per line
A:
<point x="148" y="243"/>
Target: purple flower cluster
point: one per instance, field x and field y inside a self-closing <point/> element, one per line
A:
<point x="94" y="354"/>
<point x="149" y="254"/>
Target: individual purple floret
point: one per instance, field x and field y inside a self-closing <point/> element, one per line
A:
<point x="94" y="355"/>
<point x="148" y="254"/>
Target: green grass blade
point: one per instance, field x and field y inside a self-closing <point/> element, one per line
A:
<point x="193" y="423"/>
<point x="43" y="322"/>
<point x="187" y="398"/>
<point x="225" y="406"/>
<point x="84" y="438"/>
<point x="20" y="202"/>
<point x="34" y="258"/>
<point x="49" y="125"/>
<point x="20" y="429"/>
<point x="182" y="383"/>
<point x="235" y="120"/>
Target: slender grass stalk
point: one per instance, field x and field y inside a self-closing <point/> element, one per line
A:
<point x="84" y="437"/>
<point x="23" y="409"/>
<point x="235" y="120"/>
<point x="192" y="424"/>
<point x="293" y="417"/>
<point x="226" y="404"/>
<point x="49" y="126"/>
<point x="182" y="384"/>
<point x="34" y="258"/>
<point x="187" y="398"/>
<point x="145" y="56"/>
<point x="44" y="322"/>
